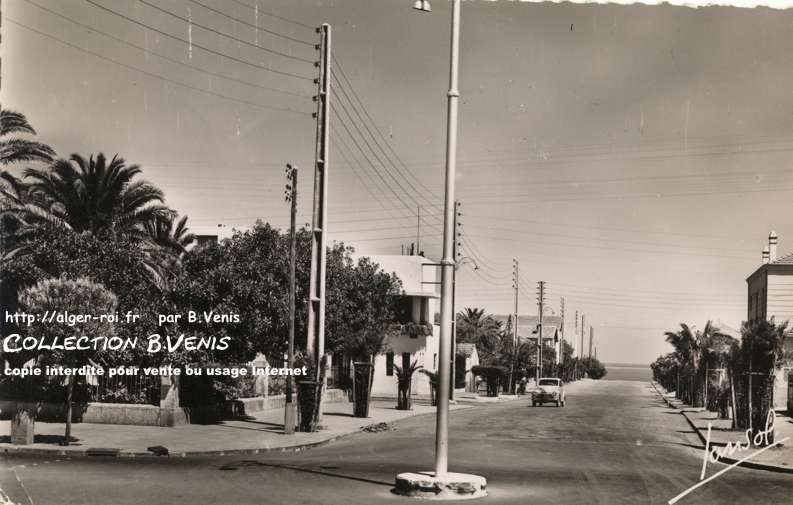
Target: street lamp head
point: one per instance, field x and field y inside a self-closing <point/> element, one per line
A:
<point x="422" y="5"/>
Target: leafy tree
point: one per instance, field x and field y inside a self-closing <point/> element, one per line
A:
<point x="492" y="375"/>
<point x="79" y="296"/>
<point x="594" y="368"/>
<point x="114" y="262"/>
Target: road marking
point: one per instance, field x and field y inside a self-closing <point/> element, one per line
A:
<point x="720" y="472"/>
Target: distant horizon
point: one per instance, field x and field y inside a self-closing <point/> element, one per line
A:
<point x="628" y="365"/>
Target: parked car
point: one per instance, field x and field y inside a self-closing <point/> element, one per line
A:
<point x="549" y="390"/>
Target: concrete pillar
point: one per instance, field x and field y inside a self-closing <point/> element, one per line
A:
<point x="23" y="425"/>
<point x="171" y="414"/>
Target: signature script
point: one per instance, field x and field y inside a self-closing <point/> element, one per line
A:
<point x="714" y="454"/>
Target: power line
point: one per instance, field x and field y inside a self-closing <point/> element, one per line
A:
<point x="243" y="22"/>
<point x="167" y="58"/>
<point x="396" y="180"/>
<point x="130" y="67"/>
<point x="224" y="34"/>
<point x="361" y="150"/>
<point x="407" y="171"/>
<point x="275" y="16"/>
<point x="203" y="48"/>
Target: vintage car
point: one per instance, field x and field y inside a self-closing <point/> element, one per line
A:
<point x="549" y="390"/>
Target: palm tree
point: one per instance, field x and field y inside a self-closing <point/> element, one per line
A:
<point x="16" y="149"/>
<point x="761" y="352"/>
<point x="687" y="350"/>
<point x="96" y="196"/>
<point x="14" y="193"/>
<point x="404" y="381"/>
<point x="167" y="244"/>
<point x="476" y="327"/>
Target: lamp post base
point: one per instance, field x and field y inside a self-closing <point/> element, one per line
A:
<point x="451" y="486"/>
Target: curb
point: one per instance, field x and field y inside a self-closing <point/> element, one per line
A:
<point x="768" y="467"/>
<point x="95" y="452"/>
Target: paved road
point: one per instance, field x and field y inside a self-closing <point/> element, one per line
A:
<point x="614" y="443"/>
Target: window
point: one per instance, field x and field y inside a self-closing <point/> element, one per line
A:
<point x="424" y="317"/>
<point x="434" y="361"/>
<point x="389" y="364"/>
<point x="405" y="360"/>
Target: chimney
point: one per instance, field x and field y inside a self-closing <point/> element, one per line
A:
<point x="772" y="240"/>
<point x="765" y="255"/>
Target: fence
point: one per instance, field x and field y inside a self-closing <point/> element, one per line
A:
<point x="134" y="389"/>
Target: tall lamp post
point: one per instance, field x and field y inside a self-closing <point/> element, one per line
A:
<point x="441" y="483"/>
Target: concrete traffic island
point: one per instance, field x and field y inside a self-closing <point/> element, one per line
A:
<point x="450" y="486"/>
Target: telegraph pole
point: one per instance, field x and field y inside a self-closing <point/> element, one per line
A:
<point x="516" y="287"/>
<point x="315" y="338"/>
<point x="418" y="230"/>
<point x="540" y="306"/>
<point x="575" y="332"/>
<point x="291" y="197"/>
<point x="457" y="245"/>
<point x="560" y="357"/>
<point x="581" y="349"/>
<point x="591" y="335"/>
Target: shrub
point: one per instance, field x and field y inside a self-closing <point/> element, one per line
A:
<point x="492" y="375"/>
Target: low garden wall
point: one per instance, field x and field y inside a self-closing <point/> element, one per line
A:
<point x="151" y="415"/>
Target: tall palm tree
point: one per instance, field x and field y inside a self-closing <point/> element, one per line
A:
<point x="96" y="196"/>
<point x="761" y="352"/>
<point x="17" y="149"/>
<point x="687" y="350"/>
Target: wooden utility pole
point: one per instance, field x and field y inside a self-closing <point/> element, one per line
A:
<point x="291" y="197"/>
<point x="540" y="307"/>
<point x="456" y="247"/>
<point x="575" y="332"/>
<point x="591" y="335"/>
<point x="315" y="338"/>
<point x="418" y="230"/>
<point x="560" y="357"/>
<point x="516" y="287"/>
<point x="581" y="349"/>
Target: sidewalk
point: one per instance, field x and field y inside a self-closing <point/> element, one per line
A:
<point x="776" y="459"/>
<point x="261" y="432"/>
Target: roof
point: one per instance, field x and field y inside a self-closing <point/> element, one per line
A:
<point x="784" y="260"/>
<point x="727" y="330"/>
<point x="466" y="349"/>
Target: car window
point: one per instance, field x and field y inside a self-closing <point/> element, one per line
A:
<point x="549" y="382"/>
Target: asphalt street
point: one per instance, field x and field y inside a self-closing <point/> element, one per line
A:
<point x="614" y="443"/>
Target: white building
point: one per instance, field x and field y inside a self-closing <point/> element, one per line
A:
<point x="418" y="340"/>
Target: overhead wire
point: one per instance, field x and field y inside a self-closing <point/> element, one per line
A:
<point x="151" y="74"/>
<point x="201" y="47"/>
<point x="166" y="58"/>
<point x="224" y="34"/>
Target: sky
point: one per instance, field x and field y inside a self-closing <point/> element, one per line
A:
<point x="635" y="158"/>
